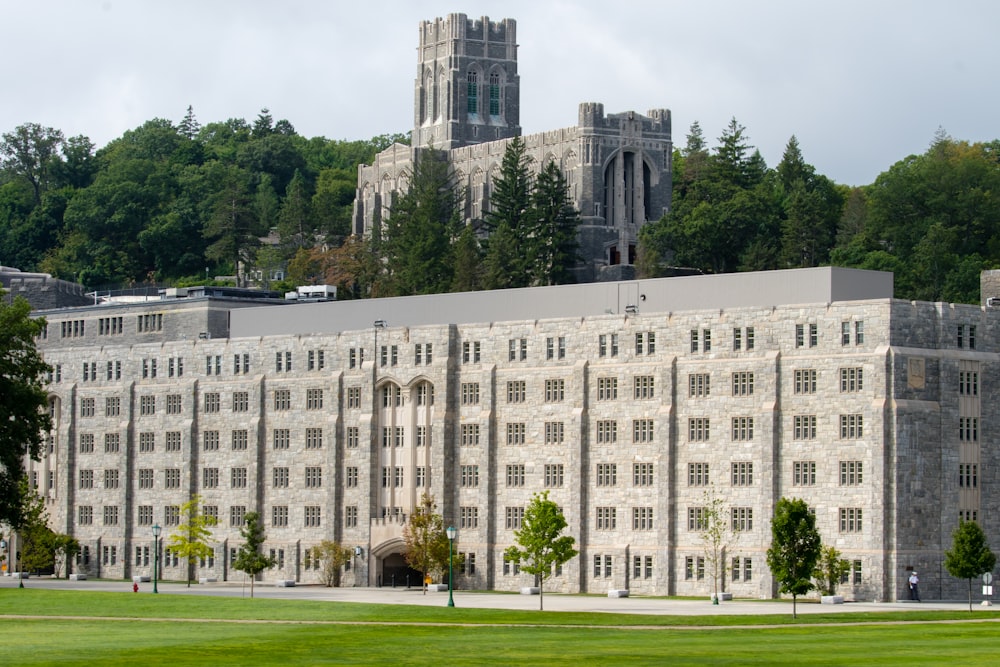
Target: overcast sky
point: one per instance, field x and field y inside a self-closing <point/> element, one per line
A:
<point x="860" y="83"/>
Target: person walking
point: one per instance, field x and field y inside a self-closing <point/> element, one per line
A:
<point x="914" y="586"/>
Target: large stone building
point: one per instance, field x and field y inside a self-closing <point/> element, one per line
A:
<point x="633" y="403"/>
<point x="467" y="103"/>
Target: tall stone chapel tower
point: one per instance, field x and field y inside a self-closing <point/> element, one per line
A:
<point x="467" y="87"/>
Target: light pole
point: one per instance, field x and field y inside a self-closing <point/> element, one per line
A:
<point x="156" y="553"/>
<point x="451" y="543"/>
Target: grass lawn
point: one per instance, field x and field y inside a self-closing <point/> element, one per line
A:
<point x="130" y="638"/>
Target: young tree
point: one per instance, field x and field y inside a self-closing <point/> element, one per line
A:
<point x="333" y="556"/>
<point x="541" y="544"/>
<point x="249" y="557"/>
<point x="190" y="540"/>
<point x="830" y="570"/>
<point x="24" y="419"/>
<point x="795" y="547"/>
<point x="714" y="533"/>
<point x="426" y="540"/>
<point x="970" y="555"/>
<point x="32" y="525"/>
<point x="64" y="549"/>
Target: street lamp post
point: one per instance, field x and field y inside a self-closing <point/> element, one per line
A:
<point x="451" y="543"/>
<point x="156" y="554"/>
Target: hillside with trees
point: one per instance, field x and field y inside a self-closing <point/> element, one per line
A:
<point x="180" y="203"/>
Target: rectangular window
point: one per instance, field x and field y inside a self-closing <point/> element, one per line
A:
<point x="517" y="349"/>
<point x="607" y="431"/>
<point x="742" y="519"/>
<point x="515" y="434"/>
<point x="845" y="333"/>
<point x="469" y="477"/>
<point x="513" y="517"/>
<point x="471" y="351"/>
<point x="352" y="436"/>
<point x="805" y="381"/>
<point x="172" y="441"/>
<point x="968" y="475"/>
<point x="642" y="430"/>
<point x="554" y="432"/>
<point x="698" y="385"/>
<point x="800" y="335"/>
<point x="851" y="473"/>
<point x="112" y="406"/>
<point x="87" y="408"/>
<point x="642" y="518"/>
<point x="210" y="441"/>
<point x="147" y="405"/>
<point x="110" y="515"/>
<point x="850" y="519"/>
<point x="86" y="515"/>
<point x="87" y="443"/>
<point x="470" y="393"/>
<point x="742" y="384"/>
<point x="282" y="399"/>
<point x="314" y="399"/>
<point x="279" y="516"/>
<point x="607" y="474"/>
<point x="643" y="387"/>
<point x="851" y="380"/>
<point x="174" y="404"/>
<point x="742" y="429"/>
<point x="470" y="435"/>
<point x="145" y="517"/>
<point x="147" y="442"/>
<point x="698" y="429"/>
<point x="281" y="438"/>
<point x="804" y="427"/>
<point x="241" y="401"/>
<point x="645" y="342"/>
<point x="698" y="474"/>
<point x="642" y="474"/>
<point x="607" y="518"/>
<point x="212" y="402"/>
<point x="968" y="383"/>
<point x="516" y="391"/>
<point x="607" y="389"/>
<point x="86" y="479"/>
<point x="804" y="473"/>
<point x="238" y="478"/>
<point x="314" y="438"/>
<point x="353" y="397"/>
<point x="112" y="443"/>
<point x="236" y="514"/>
<point x="859" y="332"/>
<point x="314" y="477"/>
<point x="553" y="475"/>
<point x="469" y="517"/>
<point x="313" y="516"/>
<point x="968" y="429"/>
<point x="209" y="478"/>
<point x="742" y="473"/>
<point x="279" y="477"/>
<point x="351" y="517"/>
<point x="697" y="518"/>
<point x="172" y="478"/>
<point x="515" y="475"/>
<point x="851" y="427"/>
<point x="555" y="390"/>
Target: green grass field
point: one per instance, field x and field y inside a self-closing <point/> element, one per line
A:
<point x="229" y="631"/>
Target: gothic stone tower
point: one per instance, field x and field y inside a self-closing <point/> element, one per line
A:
<point x="467" y="87"/>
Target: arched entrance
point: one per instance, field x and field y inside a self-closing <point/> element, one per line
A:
<point x="396" y="573"/>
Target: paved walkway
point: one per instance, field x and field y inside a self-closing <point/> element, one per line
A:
<point x="553" y="601"/>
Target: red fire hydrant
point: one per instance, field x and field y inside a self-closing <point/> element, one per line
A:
<point x="135" y="587"/>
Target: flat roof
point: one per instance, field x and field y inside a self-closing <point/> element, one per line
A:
<point x="656" y="295"/>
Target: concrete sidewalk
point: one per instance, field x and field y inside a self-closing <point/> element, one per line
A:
<point x="469" y="599"/>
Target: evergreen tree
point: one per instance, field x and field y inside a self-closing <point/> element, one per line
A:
<point x="553" y="222"/>
<point x="250" y="558"/>
<point x="417" y="238"/>
<point x="189" y="126"/>
<point x="508" y="220"/>
<point x="468" y="262"/>
<point x="970" y="555"/>
<point x="295" y="218"/>
<point x="232" y="225"/>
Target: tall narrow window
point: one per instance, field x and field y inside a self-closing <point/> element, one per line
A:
<point x="494" y="94"/>
<point x="473" y="93"/>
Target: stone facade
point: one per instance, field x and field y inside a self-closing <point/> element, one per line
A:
<point x="873" y="410"/>
<point x="617" y="166"/>
<point x="41" y="290"/>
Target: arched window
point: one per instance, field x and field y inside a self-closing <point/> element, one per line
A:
<point x="473" y="92"/>
<point x="494" y="94"/>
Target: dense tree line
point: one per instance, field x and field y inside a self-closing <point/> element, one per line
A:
<point x="169" y="202"/>
<point x="933" y="219"/>
<point x="176" y="203"/>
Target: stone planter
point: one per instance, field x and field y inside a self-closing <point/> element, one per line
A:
<point x="832" y="599"/>
<point x="437" y="587"/>
<point x="530" y="590"/>
<point x="285" y="583"/>
<point x="618" y="593"/>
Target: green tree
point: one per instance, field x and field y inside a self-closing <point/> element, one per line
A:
<point x="795" y="548"/>
<point x="24" y="418"/>
<point x="190" y="540"/>
<point x="715" y="530"/>
<point x="423" y="224"/>
<point x="426" y="540"/>
<point x="32" y="152"/>
<point x="552" y="227"/>
<point x="970" y="554"/>
<point x="468" y="262"/>
<point x="332" y="556"/>
<point x="232" y="227"/>
<point x="830" y="569"/>
<point x="295" y="219"/>
<point x="250" y="558"/>
<point x="508" y="221"/>
<point x="541" y="546"/>
<point x="32" y="525"/>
